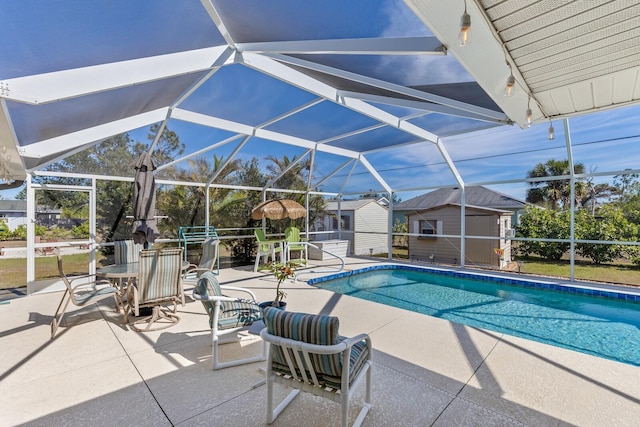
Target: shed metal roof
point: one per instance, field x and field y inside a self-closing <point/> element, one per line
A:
<point x="474" y="196"/>
<point x="468" y="209"/>
<point x="351" y="205"/>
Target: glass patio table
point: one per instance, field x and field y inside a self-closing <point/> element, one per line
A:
<point x="125" y="271"/>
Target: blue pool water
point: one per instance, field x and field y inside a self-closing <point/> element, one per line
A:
<point x="607" y="327"/>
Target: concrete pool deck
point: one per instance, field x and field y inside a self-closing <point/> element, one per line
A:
<point x="427" y="371"/>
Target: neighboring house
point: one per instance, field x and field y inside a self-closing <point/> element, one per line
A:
<point x="364" y="223"/>
<point x="445" y="220"/>
<point x="14" y="213"/>
<point x="474" y="196"/>
<point x="50" y="217"/>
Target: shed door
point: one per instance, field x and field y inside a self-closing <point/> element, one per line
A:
<point x="479" y="251"/>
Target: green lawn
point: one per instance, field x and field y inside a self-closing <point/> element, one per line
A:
<point x="14" y="274"/>
<point x="14" y="269"/>
<point x="627" y="274"/>
<point x="622" y="273"/>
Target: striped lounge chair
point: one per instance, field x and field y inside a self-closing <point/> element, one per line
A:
<point x="228" y="316"/>
<point x="306" y="353"/>
<point x="159" y="285"/>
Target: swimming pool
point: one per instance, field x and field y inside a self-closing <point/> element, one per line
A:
<point x="598" y="322"/>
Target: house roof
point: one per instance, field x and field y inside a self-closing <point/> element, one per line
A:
<point x="471" y="207"/>
<point x="13" y="205"/>
<point x="478" y="195"/>
<point x="351" y="205"/>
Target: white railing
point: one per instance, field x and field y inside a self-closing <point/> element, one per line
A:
<point x="308" y="244"/>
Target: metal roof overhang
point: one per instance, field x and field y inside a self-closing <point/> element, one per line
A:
<point x="571" y="57"/>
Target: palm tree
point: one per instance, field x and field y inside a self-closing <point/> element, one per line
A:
<point x="596" y="192"/>
<point x="296" y="178"/>
<point x="185" y="205"/>
<point x="554" y="191"/>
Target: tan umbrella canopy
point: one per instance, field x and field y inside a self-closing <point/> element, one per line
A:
<point x="278" y="209"/>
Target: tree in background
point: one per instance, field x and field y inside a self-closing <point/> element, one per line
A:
<point x="185" y="205"/>
<point x="113" y="156"/>
<point x="554" y="193"/>
<point x="375" y="195"/>
<point x="296" y="178"/>
<point x="609" y="225"/>
<point x="595" y="193"/>
<point x="234" y="211"/>
<point x="626" y="183"/>
<point x="628" y="186"/>
<point x="543" y="223"/>
<point x="401" y="227"/>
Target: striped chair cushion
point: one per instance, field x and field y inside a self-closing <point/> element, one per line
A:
<point x="233" y="314"/>
<point x="126" y="251"/>
<point x="314" y="329"/>
<point x="159" y="274"/>
<point x="209" y="255"/>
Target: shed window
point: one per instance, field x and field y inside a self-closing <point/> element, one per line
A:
<point x="345" y="223"/>
<point x="427" y="227"/>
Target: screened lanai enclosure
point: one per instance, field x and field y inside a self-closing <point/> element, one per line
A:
<point x="242" y="101"/>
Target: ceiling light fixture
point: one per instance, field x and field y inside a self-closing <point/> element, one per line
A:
<point x="510" y="87"/>
<point x="529" y="113"/>
<point x="552" y="134"/>
<point x="464" y="37"/>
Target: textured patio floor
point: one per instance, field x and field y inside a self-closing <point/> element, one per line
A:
<point x="427" y="371"/>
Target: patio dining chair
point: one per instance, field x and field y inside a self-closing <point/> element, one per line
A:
<point x="307" y="354"/>
<point x="158" y="286"/>
<point x="88" y="290"/>
<point x="208" y="261"/>
<point x="126" y="251"/>
<point x="228" y="316"/>
<point x="265" y="248"/>
<point x="293" y="243"/>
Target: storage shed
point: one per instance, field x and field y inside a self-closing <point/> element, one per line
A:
<point x="364" y="223"/>
<point x="475" y="195"/>
<point x="432" y="228"/>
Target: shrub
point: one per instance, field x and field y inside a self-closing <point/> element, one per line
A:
<point x="5" y="233"/>
<point x="543" y="224"/>
<point x="610" y="224"/>
<point x="81" y="231"/>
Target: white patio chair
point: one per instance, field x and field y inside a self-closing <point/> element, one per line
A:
<point x="228" y="316"/>
<point x="317" y="361"/>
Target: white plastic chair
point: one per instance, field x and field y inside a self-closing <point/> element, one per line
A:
<point x="318" y="361"/>
<point x="228" y="316"/>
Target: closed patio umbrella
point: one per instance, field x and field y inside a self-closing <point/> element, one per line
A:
<point x="144" y="201"/>
<point x="278" y="209"/>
